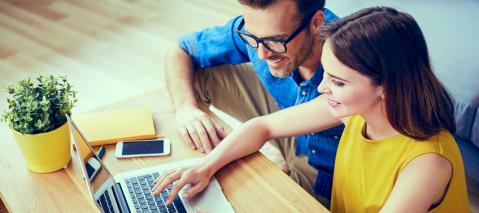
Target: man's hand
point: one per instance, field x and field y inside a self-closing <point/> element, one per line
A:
<point x="196" y="127"/>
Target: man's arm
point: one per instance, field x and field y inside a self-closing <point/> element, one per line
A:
<point x="179" y="77"/>
<point x="207" y="48"/>
<point x="194" y="125"/>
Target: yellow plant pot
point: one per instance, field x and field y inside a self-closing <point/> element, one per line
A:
<point x="45" y="152"/>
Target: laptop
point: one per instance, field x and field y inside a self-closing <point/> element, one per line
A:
<point x="131" y="191"/>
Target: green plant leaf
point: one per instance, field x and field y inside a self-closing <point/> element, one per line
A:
<point x="41" y="107"/>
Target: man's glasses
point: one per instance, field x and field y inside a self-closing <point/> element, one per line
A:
<point x="272" y="44"/>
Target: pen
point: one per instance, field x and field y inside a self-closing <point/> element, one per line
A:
<point x="101" y="152"/>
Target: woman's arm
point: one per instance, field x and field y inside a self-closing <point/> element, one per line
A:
<point x="421" y="184"/>
<point x="312" y="116"/>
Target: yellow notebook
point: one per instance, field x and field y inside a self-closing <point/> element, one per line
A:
<point x="108" y="127"/>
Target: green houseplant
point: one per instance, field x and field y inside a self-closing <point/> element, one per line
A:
<point x="36" y="115"/>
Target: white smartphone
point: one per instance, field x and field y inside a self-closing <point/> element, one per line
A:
<point x="142" y="148"/>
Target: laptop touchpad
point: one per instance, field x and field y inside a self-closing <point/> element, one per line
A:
<point x="211" y="199"/>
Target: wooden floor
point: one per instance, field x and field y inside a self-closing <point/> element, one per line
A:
<point x="109" y="49"/>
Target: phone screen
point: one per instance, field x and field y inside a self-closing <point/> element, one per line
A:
<point x="143" y="147"/>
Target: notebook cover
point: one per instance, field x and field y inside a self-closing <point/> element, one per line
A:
<point x="109" y="127"/>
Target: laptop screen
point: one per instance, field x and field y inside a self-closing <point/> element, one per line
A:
<point x="98" y="176"/>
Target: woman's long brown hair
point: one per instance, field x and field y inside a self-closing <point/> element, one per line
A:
<point x="388" y="46"/>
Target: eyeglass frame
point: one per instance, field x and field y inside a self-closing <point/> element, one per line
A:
<point x="304" y="23"/>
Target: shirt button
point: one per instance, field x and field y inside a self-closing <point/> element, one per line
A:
<point x="303" y="93"/>
<point x="313" y="151"/>
<point x="311" y="134"/>
<point x="336" y="137"/>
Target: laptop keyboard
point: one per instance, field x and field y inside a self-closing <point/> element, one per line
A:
<point x="140" y="191"/>
<point x="105" y="202"/>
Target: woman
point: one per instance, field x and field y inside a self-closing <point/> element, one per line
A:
<point x="397" y="152"/>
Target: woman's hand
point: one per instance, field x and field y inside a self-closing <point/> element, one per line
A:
<point x="198" y="177"/>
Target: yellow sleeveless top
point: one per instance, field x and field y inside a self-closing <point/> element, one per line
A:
<point x="366" y="170"/>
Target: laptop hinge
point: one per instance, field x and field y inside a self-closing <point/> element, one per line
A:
<point x="120" y="198"/>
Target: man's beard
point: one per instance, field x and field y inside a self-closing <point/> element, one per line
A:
<point x="284" y="72"/>
<point x="295" y="62"/>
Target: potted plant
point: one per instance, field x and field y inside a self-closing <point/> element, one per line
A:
<point x="36" y="115"/>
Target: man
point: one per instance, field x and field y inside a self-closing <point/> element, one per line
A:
<point x="281" y="40"/>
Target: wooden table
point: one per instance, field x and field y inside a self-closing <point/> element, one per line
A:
<point x="251" y="184"/>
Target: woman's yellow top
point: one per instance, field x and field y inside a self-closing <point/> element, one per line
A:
<point x="366" y="170"/>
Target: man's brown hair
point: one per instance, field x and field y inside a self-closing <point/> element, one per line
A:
<point x="305" y="7"/>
